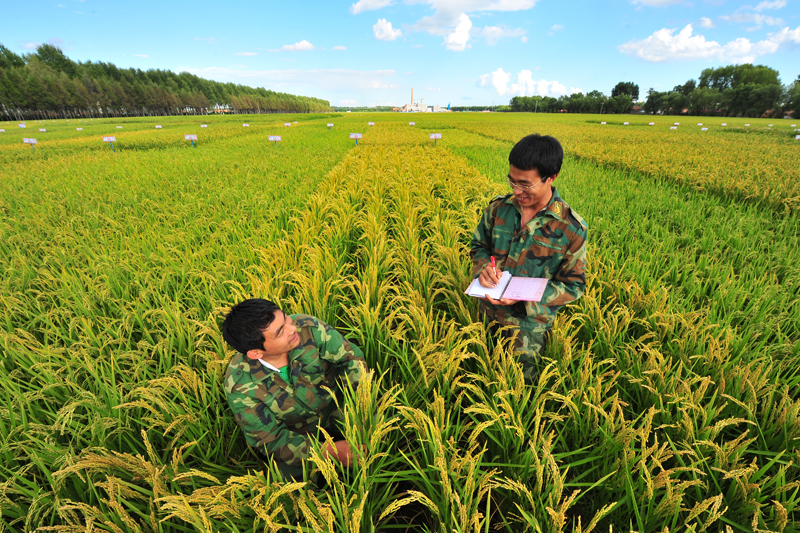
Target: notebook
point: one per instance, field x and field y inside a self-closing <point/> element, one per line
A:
<point x="513" y="288"/>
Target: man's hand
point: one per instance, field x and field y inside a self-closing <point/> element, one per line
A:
<point x="340" y="451"/>
<point x="488" y="279"/>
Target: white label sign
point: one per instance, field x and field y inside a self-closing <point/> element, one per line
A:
<point x="109" y="139"/>
<point x="673" y="127"/>
<point x="625" y="123"/>
<point x="158" y="127"/>
<point x="355" y="136"/>
<point x="119" y="127"/>
<point x="703" y="129"/>
<point x="287" y="124"/>
<point x="42" y="129"/>
<point x="436" y="136"/>
<point x="602" y="123"/>
<point x="652" y="124"/>
<point x="371" y="123"/>
<point x="274" y="138"/>
<point x="747" y="124"/>
<point x="699" y="123"/>
<point x="22" y="126"/>
<point x="677" y="123"/>
<point x="770" y="125"/>
<point x="794" y="125"/>
<point x="412" y="123"/>
<point x="2" y="131"/>
<point x="29" y="141"/>
<point x="203" y="125"/>
<point x="246" y="125"/>
<point x="724" y="123"/>
<point x="190" y="137"/>
<point x="79" y="129"/>
<point x="797" y="137"/>
<point x="330" y="125"/>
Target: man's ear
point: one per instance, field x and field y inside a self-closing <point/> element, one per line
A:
<point x="254" y="354"/>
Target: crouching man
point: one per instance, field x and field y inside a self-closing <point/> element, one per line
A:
<point x="277" y="384"/>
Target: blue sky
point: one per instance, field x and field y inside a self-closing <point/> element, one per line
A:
<point x="467" y="52"/>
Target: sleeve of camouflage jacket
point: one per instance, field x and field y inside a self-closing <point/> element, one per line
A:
<point x="568" y="283"/>
<point x="272" y="436"/>
<point x="481" y="250"/>
<point x="337" y="350"/>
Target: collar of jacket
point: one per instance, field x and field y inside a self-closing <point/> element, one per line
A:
<point x="556" y="206"/>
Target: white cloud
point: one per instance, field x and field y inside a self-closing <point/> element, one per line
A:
<point x="246" y="53"/>
<point x="663" y="45"/>
<point x="525" y="84"/>
<point x="458" y="39"/>
<point x="348" y="102"/>
<point x="656" y="3"/>
<point x="777" y="4"/>
<point x="706" y="22"/>
<point x="492" y="34"/>
<point x="753" y="18"/>
<point x="301" y="46"/>
<point x="524" y="39"/>
<point x="384" y="32"/>
<point x="556" y="27"/>
<point x="339" y="47"/>
<point x="141" y="55"/>
<point x="209" y="40"/>
<point x="451" y="17"/>
<point x="368" y="5"/>
<point x="60" y="5"/>
<point x="324" y="79"/>
<point x="416" y="46"/>
<point x="58" y="41"/>
<point x="29" y="46"/>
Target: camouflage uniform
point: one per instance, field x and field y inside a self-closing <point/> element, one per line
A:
<point x="551" y="245"/>
<point x="278" y="418"/>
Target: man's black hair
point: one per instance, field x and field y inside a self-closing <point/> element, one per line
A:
<point x="540" y="152"/>
<point x="243" y="325"/>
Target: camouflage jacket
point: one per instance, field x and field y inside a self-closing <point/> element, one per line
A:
<point x="278" y="418"/>
<point x="551" y="245"/>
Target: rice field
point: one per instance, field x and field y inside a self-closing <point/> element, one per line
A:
<point x="668" y="398"/>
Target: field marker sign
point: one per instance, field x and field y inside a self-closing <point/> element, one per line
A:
<point x="78" y="129"/>
<point x="356" y="136"/>
<point x="673" y="127"/>
<point x="33" y="141"/>
<point x="435" y="136"/>
<point x="330" y="125"/>
<point x="287" y="124"/>
<point x="110" y="140"/>
<point x="203" y="125"/>
<point x="412" y="123"/>
<point x="192" y="138"/>
<point x="370" y="123"/>
<point x="158" y="127"/>
<point x="245" y="125"/>
<point x="625" y="123"/>
<point x="43" y="130"/>
<point x="274" y="139"/>
<point x="22" y="126"/>
<point x="703" y="129"/>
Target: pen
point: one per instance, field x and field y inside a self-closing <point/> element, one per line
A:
<point x="494" y="266"/>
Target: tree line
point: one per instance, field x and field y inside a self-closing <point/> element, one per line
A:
<point x="734" y="90"/>
<point x="47" y="84"/>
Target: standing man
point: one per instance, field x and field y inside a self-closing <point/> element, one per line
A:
<point x="277" y="384"/>
<point x="531" y="232"/>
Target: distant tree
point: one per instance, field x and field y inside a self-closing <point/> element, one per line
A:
<point x="53" y="57"/>
<point x="9" y="59"/>
<point x="626" y="87"/>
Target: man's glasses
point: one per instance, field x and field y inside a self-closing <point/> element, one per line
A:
<point x="523" y="187"/>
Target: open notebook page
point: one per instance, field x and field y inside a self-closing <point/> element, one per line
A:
<point x="479" y="291"/>
<point x="526" y="289"/>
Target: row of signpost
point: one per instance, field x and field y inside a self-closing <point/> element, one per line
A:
<point x="353" y="136"/>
